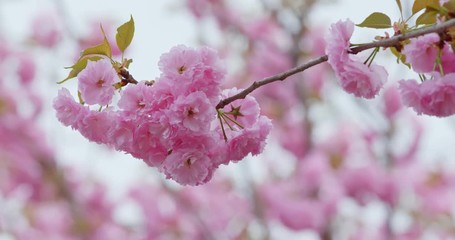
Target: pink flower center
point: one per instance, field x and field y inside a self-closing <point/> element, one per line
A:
<point x="100" y="83"/>
<point x="181" y="69"/>
<point x="188" y="162"/>
<point x="191" y="112"/>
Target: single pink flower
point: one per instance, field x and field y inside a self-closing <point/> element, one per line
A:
<point x="69" y="112"/>
<point x="434" y="97"/>
<point x="208" y="75"/>
<point x="164" y="93"/>
<point x="244" y="111"/>
<point x="95" y="125"/>
<point x="96" y="82"/>
<point x="361" y="80"/>
<point x="149" y="143"/>
<point x="251" y="140"/>
<point x="121" y="136"/>
<point x="422" y="52"/>
<point x="136" y="97"/>
<point x="188" y="166"/>
<point x="26" y="68"/>
<point x="354" y="76"/>
<point x="448" y="59"/>
<point x="337" y="43"/>
<point x="179" y="63"/>
<point x="194" y="112"/>
<point x="45" y="30"/>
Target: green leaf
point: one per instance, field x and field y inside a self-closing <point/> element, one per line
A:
<point x="427" y="18"/>
<point x="399" y="6"/>
<point x="376" y="20"/>
<point x="422" y="4"/>
<point x="78" y="67"/>
<point x="450" y="5"/>
<point x="101" y="49"/>
<point x="125" y="34"/>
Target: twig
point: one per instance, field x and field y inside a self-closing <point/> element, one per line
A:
<point x="280" y="77"/>
<point x="390" y="42"/>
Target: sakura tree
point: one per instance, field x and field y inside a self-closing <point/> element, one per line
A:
<point x="322" y="138"/>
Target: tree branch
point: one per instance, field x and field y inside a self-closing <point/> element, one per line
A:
<point x="390" y="42"/>
<point x="280" y="77"/>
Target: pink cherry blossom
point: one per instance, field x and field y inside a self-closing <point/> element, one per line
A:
<point x="136" y="98"/>
<point x="361" y="80"/>
<point x="421" y="52"/>
<point x="354" y="76"/>
<point x="179" y="63"/>
<point x="244" y="111"/>
<point x="188" y="166"/>
<point x="337" y="44"/>
<point x="194" y="112"/>
<point x="96" y="125"/>
<point x="26" y="69"/>
<point x="96" y="82"/>
<point x="148" y="142"/>
<point x="69" y="112"/>
<point x="121" y="134"/>
<point x="251" y="140"/>
<point x="208" y="76"/>
<point x="45" y="30"/>
<point x="164" y="94"/>
<point x="448" y="59"/>
<point x="170" y="124"/>
<point x="435" y="97"/>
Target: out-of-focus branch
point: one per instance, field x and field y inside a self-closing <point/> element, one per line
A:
<point x="390" y="42"/>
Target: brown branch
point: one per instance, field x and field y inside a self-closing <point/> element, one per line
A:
<point x="395" y="40"/>
<point x="280" y="77"/>
<point x="390" y="42"/>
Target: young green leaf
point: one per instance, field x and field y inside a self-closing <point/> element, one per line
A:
<point x="78" y="67"/>
<point x="399" y="6"/>
<point x="101" y="49"/>
<point x="427" y="18"/>
<point x="421" y="4"/>
<point x="125" y="34"/>
<point x="376" y="20"/>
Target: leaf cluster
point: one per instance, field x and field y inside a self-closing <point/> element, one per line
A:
<point x="123" y="38"/>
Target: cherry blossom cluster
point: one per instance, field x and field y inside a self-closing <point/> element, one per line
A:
<point x="434" y="96"/>
<point x="172" y="123"/>
<point x="429" y="55"/>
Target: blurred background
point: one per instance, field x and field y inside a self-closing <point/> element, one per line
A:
<point x="335" y="166"/>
